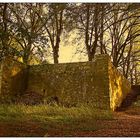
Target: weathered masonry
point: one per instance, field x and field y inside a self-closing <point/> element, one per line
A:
<point x="97" y="82"/>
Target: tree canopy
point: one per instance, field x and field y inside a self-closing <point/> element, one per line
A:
<point x="34" y="31"/>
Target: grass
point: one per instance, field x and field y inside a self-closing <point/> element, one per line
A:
<point x="81" y="118"/>
<point x="43" y="112"/>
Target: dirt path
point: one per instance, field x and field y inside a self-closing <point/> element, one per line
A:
<point x="21" y="129"/>
<point x="126" y="124"/>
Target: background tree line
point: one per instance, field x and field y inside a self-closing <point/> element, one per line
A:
<point x="29" y="30"/>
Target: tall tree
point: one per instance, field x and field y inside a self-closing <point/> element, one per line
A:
<point x="123" y="34"/>
<point x="4" y="36"/>
<point x="5" y="30"/>
<point x="54" y="20"/>
<point x="90" y="22"/>
<point x="28" y="32"/>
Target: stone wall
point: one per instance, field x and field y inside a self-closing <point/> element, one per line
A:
<point x="12" y="78"/>
<point x="73" y="83"/>
<point x="98" y="83"/>
<point x="119" y="87"/>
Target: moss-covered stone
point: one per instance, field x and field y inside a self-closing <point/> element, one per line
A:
<point x="97" y="83"/>
<point x="73" y="83"/>
<point x="119" y="87"/>
<point x="13" y="78"/>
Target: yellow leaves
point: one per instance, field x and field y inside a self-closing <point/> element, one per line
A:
<point x="20" y="59"/>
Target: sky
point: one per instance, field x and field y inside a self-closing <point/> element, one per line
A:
<point x="69" y="50"/>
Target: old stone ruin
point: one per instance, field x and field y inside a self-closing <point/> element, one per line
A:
<point x="98" y="83"/>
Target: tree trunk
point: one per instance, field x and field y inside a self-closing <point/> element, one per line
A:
<point x="102" y="28"/>
<point x="55" y="56"/>
<point x="27" y="52"/>
<point x="91" y="48"/>
<point x="89" y="57"/>
<point x="86" y="34"/>
<point x="135" y="75"/>
<point x="26" y="59"/>
<point x="96" y="24"/>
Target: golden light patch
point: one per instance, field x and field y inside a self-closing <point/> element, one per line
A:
<point x="15" y="71"/>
